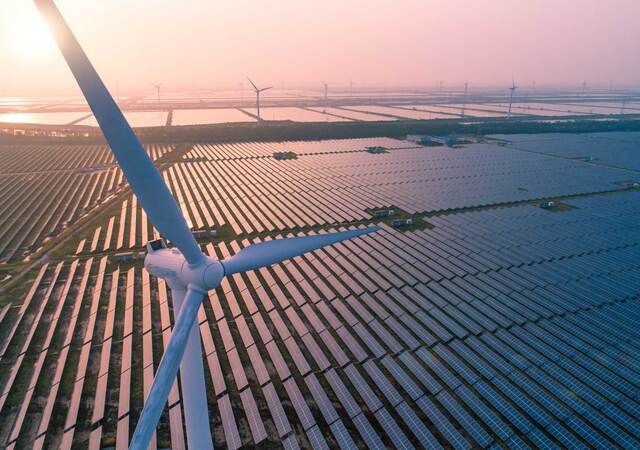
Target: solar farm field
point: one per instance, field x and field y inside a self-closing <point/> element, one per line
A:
<point x="489" y="323"/>
<point x="613" y="149"/>
<point x="44" y="189"/>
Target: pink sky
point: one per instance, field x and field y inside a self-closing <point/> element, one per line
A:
<point x="216" y="43"/>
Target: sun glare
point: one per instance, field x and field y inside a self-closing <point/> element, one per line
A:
<point x="30" y="37"/>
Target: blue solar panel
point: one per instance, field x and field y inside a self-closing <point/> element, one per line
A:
<point x="442" y="424"/>
<point x="343" y="438"/>
<point x="613" y="431"/>
<point x="316" y="439"/>
<point x="304" y="413"/>
<point x="321" y="399"/>
<point x="372" y="343"/>
<point x="417" y="427"/>
<point x="486" y="414"/>
<point x="402" y="378"/>
<point x="469" y="424"/>
<point x="458" y="366"/>
<point x="474" y="360"/>
<point x="540" y="440"/>
<point x="508" y="411"/>
<point x="547" y="401"/>
<point x="346" y="399"/>
<point x="369" y="435"/>
<point x="525" y="403"/>
<point x="421" y="375"/>
<point x="438" y="367"/>
<point x="362" y="387"/>
<point x="391" y="428"/>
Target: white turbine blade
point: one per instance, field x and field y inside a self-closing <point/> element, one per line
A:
<point x="145" y="181"/>
<point x="266" y="89"/>
<point x="194" y="398"/>
<point x="272" y="252"/>
<point x="167" y="371"/>
<point x="253" y="84"/>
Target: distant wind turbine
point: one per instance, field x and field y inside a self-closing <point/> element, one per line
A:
<point x="326" y="91"/>
<point x="512" y="91"/>
<point x="158" y="86"/>
<point x="464" y="101"/>
<point x="187" y="270"/>
<point x="258" y="91"/>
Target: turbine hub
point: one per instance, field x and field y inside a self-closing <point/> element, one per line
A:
<point x="170" y="265"/>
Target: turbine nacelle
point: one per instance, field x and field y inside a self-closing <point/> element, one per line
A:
<point x="171" y="265"/>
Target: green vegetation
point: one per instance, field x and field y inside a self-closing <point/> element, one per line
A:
<point x="558" y="207"/>
<point x="377" y="149"/>
<point x="419" y="223"/>
<point x="280" y="156"/>
<point x="307" y="131"/>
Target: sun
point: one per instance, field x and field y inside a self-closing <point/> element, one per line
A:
<point x="30" y="37"/>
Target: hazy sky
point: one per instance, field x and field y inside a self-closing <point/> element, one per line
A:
<point x="216" y="43"/>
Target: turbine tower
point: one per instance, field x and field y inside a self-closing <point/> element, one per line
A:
<point x="512" y="91"/>
<point x="187" y="270"/>
<point x="326" y="91"/>
<point x="258" y="91"/>
<point x="464" y="99"/>
<point x="158" y="86"/>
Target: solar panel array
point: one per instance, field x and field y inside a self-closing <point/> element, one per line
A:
<point x="614" y="149"/>
<point x="243" y="187"/>
<point x="45" y="188"/>
<point x="504" y="326"/>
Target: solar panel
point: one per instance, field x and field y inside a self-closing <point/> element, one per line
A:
<point x="369" y="435"/>
<point x="382" y="383"/>
<point x="278" y="361"/>
<point x="231" y="434"/>
<point x="401" y="377"/>
<point x="469" y="424"/>
<point x="442" y="424"/>
<point x="277" y="412"/>
<point x="492" y="421"/>
<point x="508" y="411"/>
<point x="321" y="399"/>
<point x="362" y="387"/>
<point x="343" y="438"/>
<point x="316" y="439"/>
<point x="391" y="429"/>
<point x="253" y="416"/>
<point x="434" y="364"/>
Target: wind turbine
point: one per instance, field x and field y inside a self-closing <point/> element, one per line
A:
<point x="326" y="91"/>
<point x="258" y="91"/>
<point x="187" y="270"/>
<point x="512" y="91"/>
<point x="158" y="86"/>
<point x="464" y="100"/>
